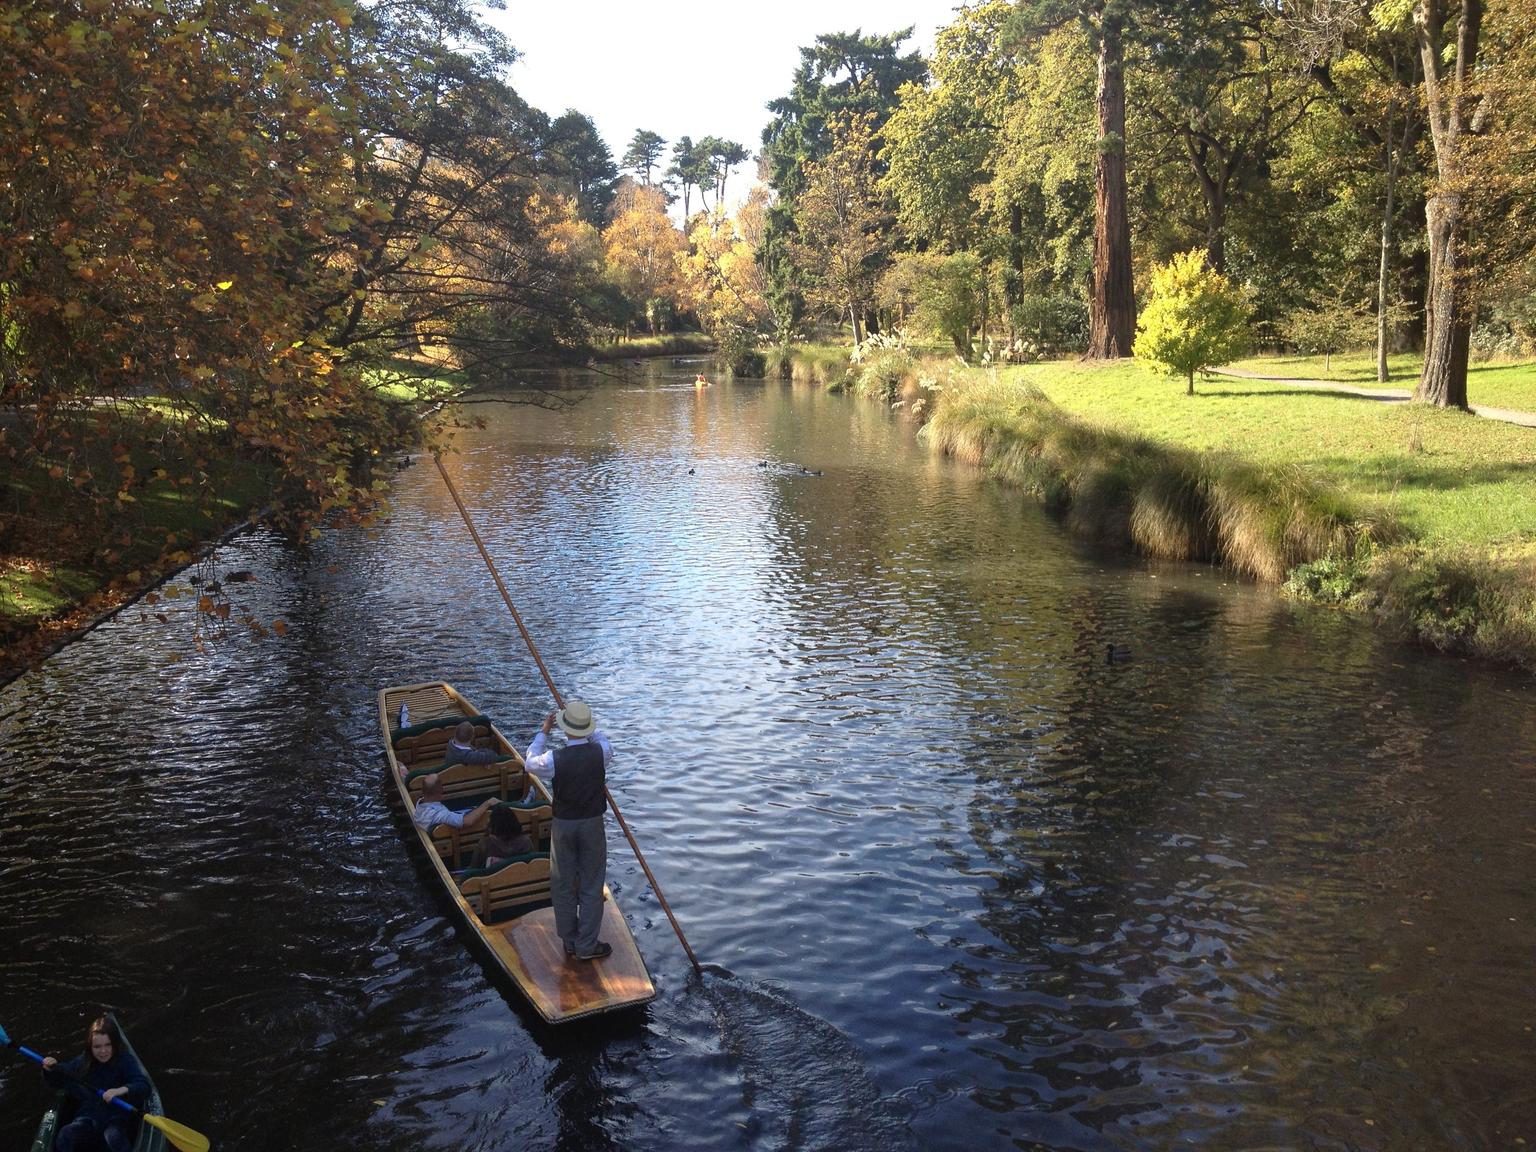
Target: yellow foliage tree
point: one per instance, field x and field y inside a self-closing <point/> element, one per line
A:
<point x="722" y="282"/>
<point x="642" y="247"/>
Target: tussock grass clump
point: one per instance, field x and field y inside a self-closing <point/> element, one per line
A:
<point x="889" y="374"/>
<point x="1169" y="516"/>
<point x="1163" y="501"/>
<point x="778" y="362"/>
<point x="818" y="364"/>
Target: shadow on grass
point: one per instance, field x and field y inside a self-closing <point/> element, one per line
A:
<point x="1409" y="472"/>
<point x="1299" y="392"/>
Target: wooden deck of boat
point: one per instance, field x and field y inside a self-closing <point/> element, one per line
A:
<point x="528" y="949"/>
<point x="565" y="989"/>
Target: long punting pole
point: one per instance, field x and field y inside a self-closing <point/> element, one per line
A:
<point x="560" y="702"/>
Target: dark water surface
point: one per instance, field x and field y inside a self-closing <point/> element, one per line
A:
<point x="1268" y="885"/>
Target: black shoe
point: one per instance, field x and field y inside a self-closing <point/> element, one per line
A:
<point x="600" y="950"/>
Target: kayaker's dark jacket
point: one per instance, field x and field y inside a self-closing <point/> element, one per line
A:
<point x="122" y="1070"/>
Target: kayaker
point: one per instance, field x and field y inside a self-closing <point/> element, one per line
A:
<point x="578" y="776"/>
<point x="108" y="1071"/>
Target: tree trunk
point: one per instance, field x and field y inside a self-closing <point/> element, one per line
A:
<point x="1190" y="391"/>
<point x="1447" y="317"/>
<point x="1384" y="265"/>
<point x="1015" y="295"/>
<point x="1112" y="312"/>
<point x="1451" y="105"/>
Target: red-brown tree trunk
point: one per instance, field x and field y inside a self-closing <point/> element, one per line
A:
<point x="1112" y="311"/>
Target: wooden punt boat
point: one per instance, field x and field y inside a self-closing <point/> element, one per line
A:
<point x="150" y="1139"/>
<point x="506" y="908"/>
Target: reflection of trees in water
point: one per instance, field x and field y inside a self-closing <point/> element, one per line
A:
<point x="1200" y="862"/>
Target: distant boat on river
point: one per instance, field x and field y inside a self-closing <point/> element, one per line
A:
<point x="506" y="907"/>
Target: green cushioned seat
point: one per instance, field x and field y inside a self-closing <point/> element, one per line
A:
<point x="400" y="734"/>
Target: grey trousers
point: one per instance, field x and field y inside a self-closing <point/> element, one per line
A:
<point x="578" y="868"/>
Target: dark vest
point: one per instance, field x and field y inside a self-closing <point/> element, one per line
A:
<point x="579" y="782"/>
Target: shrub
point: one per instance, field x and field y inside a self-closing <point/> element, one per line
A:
<point x="1052" y="324"/>
<point x="1195" y="319"/>
<point x="941" y="294"/>
<point x="1332" y="579"/>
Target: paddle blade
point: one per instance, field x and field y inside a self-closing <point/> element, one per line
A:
<point x="180" y="1135"/>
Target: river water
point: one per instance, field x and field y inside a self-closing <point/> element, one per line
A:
<point x="1264" y="885"/>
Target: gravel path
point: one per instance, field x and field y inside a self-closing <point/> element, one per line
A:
<point x="1389" y="395"/>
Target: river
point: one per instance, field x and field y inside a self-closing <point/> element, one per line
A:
<point x="1264" y="885"/>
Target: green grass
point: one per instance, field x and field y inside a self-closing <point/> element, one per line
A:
<point x="1448" y="477"/>
<point x="671" y="344"/>
<point x="1495" y="384"/>
<point x="57" y="549"/>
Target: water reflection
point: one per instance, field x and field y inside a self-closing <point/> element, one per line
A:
<point x="1263" y="885"/>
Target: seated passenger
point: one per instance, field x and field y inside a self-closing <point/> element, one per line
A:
<point x="461" y="749"/>
<point x="505" y="838"/>
<point x="431" y="811"/>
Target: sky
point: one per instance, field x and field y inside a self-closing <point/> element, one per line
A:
<point x="683" y="67"/>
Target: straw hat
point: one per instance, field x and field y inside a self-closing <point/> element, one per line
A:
<point x="575" y="719"/>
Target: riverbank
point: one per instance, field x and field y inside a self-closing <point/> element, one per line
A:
<point x="67" y="563"/>
<point x="1425" y="519"/>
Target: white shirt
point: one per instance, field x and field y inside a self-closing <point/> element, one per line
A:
<point x="430" y="813"/>
<point x="541" y="760"/>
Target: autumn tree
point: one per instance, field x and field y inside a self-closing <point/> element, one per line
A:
<point x="1195" y="319"/>
<point x="841" y="220"/>
<point x="722" y="282"/>
<point x="642" y="247"/>
<point x="169" y="174"/>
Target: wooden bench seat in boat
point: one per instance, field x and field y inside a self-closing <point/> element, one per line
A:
<point x="465" y="785"/>
<point x="423" y="745"/>
<point x="457" y="846"/>
<point x="508" y="889"/>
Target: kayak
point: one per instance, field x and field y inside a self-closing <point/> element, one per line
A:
<point x="150" y="1139"/>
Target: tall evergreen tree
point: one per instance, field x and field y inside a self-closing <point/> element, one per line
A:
<point x="643" y="154"/>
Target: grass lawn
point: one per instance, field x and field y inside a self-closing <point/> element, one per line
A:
<point x="56" y="550"/>
<point x="1449" y="477"/>
<point x="1498" y="385"/>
